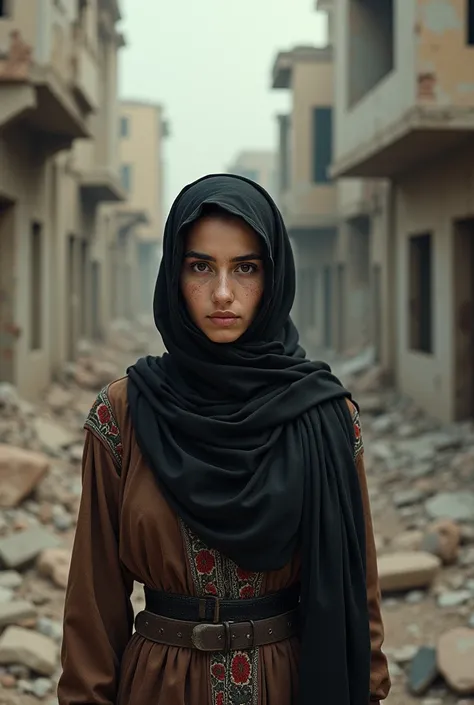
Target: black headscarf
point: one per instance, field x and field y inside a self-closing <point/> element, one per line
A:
<point x="251" y="444"/>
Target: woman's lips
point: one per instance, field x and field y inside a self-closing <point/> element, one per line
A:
<point x="223" y="321"/>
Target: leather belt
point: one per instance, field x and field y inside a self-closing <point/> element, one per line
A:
<point x="212" y="624"/>
<point x="214" y="609"/>
<point x="226" y="636"/>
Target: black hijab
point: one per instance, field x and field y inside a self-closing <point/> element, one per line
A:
<point x="251" y="444"/>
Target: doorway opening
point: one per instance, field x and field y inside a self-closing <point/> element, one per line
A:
<point x="464" y="319"/>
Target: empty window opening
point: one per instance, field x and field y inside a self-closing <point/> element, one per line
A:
<point x="124" y="127"/>
<point x="5" y="10"/>
<point x="322" y="144"/>
<point x="126" y="177"/>
<point x="421" y="293"/>
<point x="371" y="54"/>
<point x="36" y="290"/>
<point x="470" y="22"/>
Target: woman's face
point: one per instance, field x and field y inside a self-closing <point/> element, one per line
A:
<point x="222" y="277"/>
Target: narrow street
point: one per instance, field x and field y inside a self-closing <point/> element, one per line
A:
<point x="421" y="485"/>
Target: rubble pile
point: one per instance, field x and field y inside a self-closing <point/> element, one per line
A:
<point x="421" y="479"/>
<point x="40" y="486"/>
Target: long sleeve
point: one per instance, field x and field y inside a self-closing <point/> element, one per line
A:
<point x="379" y="675"/>
<point x="98" y="616"/>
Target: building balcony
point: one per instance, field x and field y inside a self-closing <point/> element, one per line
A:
<point x="36" y="94"/>
<point x="309" y="207"/>
<point x="101" y="186"/>
<point x="404" y="98"/>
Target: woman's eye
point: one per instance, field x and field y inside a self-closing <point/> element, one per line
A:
<point x="199" y="267"/>
<point x="247" y="268"/>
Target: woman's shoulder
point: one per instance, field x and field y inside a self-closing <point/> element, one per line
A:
<point x="107" y="417"/>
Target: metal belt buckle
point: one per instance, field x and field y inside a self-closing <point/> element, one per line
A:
<point x="198" y="636"/>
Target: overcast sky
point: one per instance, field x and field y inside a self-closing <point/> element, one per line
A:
<point x="208" y="62"/>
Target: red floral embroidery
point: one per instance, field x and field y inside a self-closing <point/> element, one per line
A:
<point x="233" y="676"/>
<point x="103" y="413"/>
<point x="240" y="669"/>
<point x="103" y="425"/>
<point x="218" y="671"/>
<point x="205" y="562"/>
<point x="244" y="574"/>
<point x="358" y="442"/>
<point x="247" y="592"/>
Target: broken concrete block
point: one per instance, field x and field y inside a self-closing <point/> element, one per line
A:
<point x="407" y="571"/>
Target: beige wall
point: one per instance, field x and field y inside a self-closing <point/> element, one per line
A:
<point x="307" y="203"/>
<point x="262" y="163"/>
<point x="429" y="201"/>
<point x="25" y="183"/>
<point x="142" y="150"/>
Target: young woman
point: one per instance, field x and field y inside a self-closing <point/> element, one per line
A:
<point x="227" y="477"/>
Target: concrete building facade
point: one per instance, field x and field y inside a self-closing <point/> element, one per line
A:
<point x="57" y="120"/>
<point x="259" y="166"/>
<point x="306" y="193"/>
<point x="405" y="100"/>
<point x="143" y="130"/>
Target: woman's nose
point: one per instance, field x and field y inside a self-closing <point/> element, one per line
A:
<point x="223" y="291"/>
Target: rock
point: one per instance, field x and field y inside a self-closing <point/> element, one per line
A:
<point x="76" y="452"/>
<point x="22" y="548"/>
<point x="20" y="472"/>
<point x="59" y="399"/>
<point x="406" y="498"/>
<point x="454" y="598"/>
<point x="405" y="654"/>
<point x="458" y="506"/>
<point x="49" y="627"/>
<point x="54" y="564"/>
<point x="423" y="671"/>
<point x="7" y="681"/>
<point x="470" y="623"/>
<point x="456" y="659"/>
<point x="10" y="579"/>
<point x="467" y="557"/>
<point x="15" y="612"/>
<point x="6" y="595"/>
<point x="381" y="451"/>
<point x="415" y="597"/>
<point x="443" y="540"/>
<point x="407" y="570"/>
<point x="39" y="687"/>
<point x="408" y="541"/>
<point x="27" y="648"/>
<point x="54" y="438"/>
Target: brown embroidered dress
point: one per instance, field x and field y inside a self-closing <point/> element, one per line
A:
<point x="126" y="531"/>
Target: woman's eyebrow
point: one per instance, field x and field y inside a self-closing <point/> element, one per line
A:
<point x="209" y="258"/>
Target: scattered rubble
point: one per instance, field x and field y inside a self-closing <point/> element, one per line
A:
<point x="421" y="480"/>
<point x="40" y="486"/>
